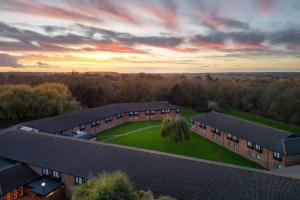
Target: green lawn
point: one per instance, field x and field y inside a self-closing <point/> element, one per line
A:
<point x="263" y="120"/>
<point x="188" y="113"/>
<point x="124" y="128"/>
<point x="149" y="138"/>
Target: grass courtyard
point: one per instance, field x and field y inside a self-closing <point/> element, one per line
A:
<point x="146" y="135"/>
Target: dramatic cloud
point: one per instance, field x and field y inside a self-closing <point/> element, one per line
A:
<point x="112" y="41"/>
<point x="214" y="22"/>
<point x="7" y="60"/>
<point x="94" y="32"/>
<point x="233" y="41"/>
<point x="166" y="12"/>
<point x="104" y="8"/>
<point x="290" y="38"/>
<point x="37" y="8"/>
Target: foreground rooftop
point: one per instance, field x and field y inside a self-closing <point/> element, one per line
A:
<point x="165" y="174"/>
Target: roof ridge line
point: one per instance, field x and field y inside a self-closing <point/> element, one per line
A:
<point x="159" y="153"/>
<point x="252" y="122"/>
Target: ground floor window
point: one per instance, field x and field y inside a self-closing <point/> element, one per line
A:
<point x="15" y="194"/>
<point x="79" y="180"/>
<point x="277" y="165"/>
<point x="258" y="157"/>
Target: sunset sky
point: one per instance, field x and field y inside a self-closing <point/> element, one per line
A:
<point x="149" y="35"/>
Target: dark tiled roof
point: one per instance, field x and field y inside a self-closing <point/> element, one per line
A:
<point x="292" y="145"/>
<point x="15" y="176"/>
<point x="164" y="174"/>
<point x="50" y="186"/>
<point x="74" y="119"/>
<point x="263" y="135"/>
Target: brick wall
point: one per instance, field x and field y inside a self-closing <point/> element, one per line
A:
<point x="264" y="158"/>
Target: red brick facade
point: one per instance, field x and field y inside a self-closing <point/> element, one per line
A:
<point x="264" y="158"/>
<point x="115" y="121"/>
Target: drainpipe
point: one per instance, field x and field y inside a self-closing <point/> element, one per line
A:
<point x="267" y="158"/>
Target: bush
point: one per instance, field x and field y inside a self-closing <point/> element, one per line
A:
<point x="112" y="186"/>
<point x="109" y="186"/>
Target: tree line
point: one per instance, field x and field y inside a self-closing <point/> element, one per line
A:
<point x="23" y="102"/>
<point x="273" y="97"/>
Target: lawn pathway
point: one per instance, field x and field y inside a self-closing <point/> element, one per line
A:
<point x="130" y="132"/>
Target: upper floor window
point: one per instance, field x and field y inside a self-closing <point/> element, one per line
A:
<point x="202" y="124"/>
<point x="93" y="123"/>
<point x="109" y="119"/>
<point x="131" y="114"/>
<point x="46" y="172"/>
<point x="163" y="111"/>
<point x="258" y="147"/>
<point x="148" y="112"/>
<point x="152" y="112"/>
<point x="79" y="180"/>
<point x="120" y="115"/>
<point x="217" y="131"/>
<point x="55" y="174"/>
<point x="98" y="122"/>
<point x="82" y="127"/>
<point x="177" y="110"/>
<point x="229" y="136"/>
<point x="277" y="155"/>
<point x="250" y="144"/>
<point x="235" y="138"/>
<point x="136" y="113"/>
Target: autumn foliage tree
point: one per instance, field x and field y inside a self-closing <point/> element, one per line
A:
<point x="20" y="102"/>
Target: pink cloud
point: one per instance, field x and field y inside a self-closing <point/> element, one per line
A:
<point x="167" y="13"/>
<point x="265" y="6"/>
<point x="36" y="8"/>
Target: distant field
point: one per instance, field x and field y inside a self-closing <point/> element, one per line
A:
<point x="263" y="120"/>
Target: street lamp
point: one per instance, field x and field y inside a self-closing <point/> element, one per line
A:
<point x="43" y="184"/>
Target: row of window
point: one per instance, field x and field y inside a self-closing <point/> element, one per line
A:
<point x="233" y="145"/>
<point x="56" y="175"/>
<point x="148" y="112"/>
<point x="15" y="194"/>
<point x="51" y="173"/>
<point x="256" y="155"/>
<point x="215" y="130"/>
<point x="233" y="138"/>
<point x="121" y="115"/>
<point x="257" y="147"/>
<point x="251" y="145"/>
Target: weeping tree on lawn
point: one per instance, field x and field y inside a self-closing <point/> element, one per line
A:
<point x="175" y="128"/>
